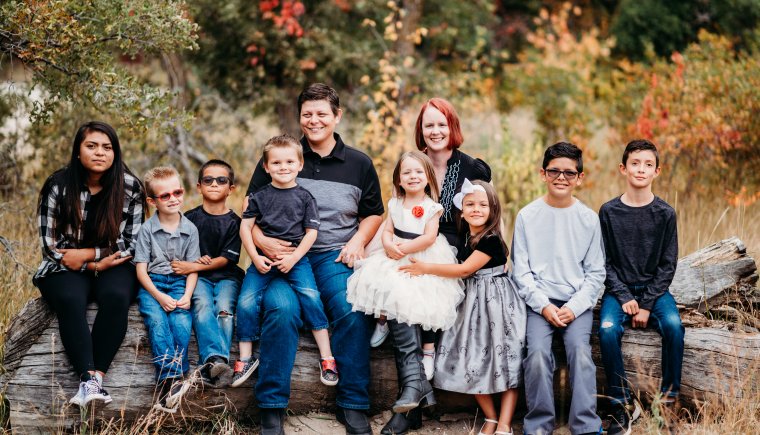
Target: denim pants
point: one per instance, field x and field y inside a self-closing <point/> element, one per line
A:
<point x="279" y="337"/>
<point x="213" y="316"/>
<point x="539" y="366"/>
<point x="665" y="319"/>
<point x="169" y="332"/>
<point x="301" y="280"/>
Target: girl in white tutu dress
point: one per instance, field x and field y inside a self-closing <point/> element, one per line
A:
<point x="377" y="286"/>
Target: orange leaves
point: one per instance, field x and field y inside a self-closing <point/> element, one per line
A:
<point x="287" y="19"/>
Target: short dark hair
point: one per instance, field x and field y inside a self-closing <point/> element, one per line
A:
<point x="641" y="145"/>
<point x="218" y="162"/>
<point x="564" y="149"/>
<point x="319" y="91"/>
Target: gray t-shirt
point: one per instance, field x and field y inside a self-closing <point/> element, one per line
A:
<point x="558" y="254"/>
<point x="158" y="247"/>
<point x="284" y="214"/>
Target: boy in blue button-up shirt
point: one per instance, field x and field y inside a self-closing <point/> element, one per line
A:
<point x="165" y="297"/>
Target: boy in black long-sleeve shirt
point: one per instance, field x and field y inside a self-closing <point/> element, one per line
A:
<point x="641" y="249"/>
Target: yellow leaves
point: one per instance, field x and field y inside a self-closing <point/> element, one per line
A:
<point x="364" y="80"/>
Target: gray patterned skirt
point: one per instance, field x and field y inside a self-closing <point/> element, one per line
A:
<point x="482" y="353"/>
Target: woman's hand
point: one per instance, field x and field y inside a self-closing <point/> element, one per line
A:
<point x="112" y="260"/>
<point x="274" y="248"/>
<point x="73" y="259"/>
<point x="351" y="252"/>
<point x="167" y="302"/>
<point x="414" y="268"/>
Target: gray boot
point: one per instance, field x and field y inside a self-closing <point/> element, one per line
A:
<point x="415" y="388"/>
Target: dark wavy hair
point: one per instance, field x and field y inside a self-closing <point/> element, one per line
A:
<point x="493" y="223"/>
<point x="72" y="178"/>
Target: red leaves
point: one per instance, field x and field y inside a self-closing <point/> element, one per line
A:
<point x="287" y="19"/>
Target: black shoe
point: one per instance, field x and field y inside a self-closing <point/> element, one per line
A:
<point x="399" y="424"/>
<point x="220" y="371"/>
<point x="272" y="421"/>
<point x="622" y="418"/>
<point x="355" y="420"/>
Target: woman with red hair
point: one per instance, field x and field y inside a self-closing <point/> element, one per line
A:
<point x="438" y="134"/>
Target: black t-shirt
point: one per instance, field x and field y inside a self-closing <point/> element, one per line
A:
<point x="489" y="245"/>
<point x="640" y="247"/>
<point x="219" y="236"/>
<point x="90" y="224"/>
<point x="284" y="214"/>
<point x="458" y="167"/>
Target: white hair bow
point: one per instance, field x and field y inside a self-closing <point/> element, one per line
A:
<point x="467" y="188"/>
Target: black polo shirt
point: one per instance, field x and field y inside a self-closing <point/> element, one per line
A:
<point x="346" y="188"/>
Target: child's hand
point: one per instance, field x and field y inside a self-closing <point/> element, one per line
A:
<point x="631" y="307"/>
<point x="285" y="264"/>
<point x="566" y="315"/>
<point x="413" y="269"/>
<point x="204" y="260"/>
<point x="184" y="302"/>
<point x="551" y="314"/>
<point x="262" y="263"/>
<point x="167" y="302"/>
<point x="394" y="251"/>
<point x="183" y="267"/>
<point x="641" y="319"/>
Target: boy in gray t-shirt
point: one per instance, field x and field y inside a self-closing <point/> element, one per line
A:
<point x="165" y="297"/>
<point x="286" y="211"/>
<point x="559" y="270"/>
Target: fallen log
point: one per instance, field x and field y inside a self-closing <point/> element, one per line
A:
<point x="38" y="379"/>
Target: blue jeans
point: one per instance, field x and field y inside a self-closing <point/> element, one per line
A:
<point x="301" y="280"/>
<point x="213" y="310"/>
<point x="665" y="319"/>
<point x="169" y="333"/>
<point x="279" y="337"/>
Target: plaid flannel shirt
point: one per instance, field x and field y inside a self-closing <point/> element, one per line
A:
<point x="132" y="218"/>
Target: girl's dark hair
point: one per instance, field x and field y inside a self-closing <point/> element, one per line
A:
<point x="432" y="185"/>
<point x="72" y="178"/>
<point x="493" y="223"/>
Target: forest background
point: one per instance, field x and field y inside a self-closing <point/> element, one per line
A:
<point x="185" y="81"/>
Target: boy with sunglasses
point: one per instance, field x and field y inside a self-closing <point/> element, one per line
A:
<point x="559" y="270"/>
<point x="165" y="296"/>
<point x="219" y="276"/>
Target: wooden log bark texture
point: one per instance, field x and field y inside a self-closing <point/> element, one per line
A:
<point x="38" y="378"/>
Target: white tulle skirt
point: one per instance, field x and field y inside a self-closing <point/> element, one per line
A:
<point x="377" y="287"/>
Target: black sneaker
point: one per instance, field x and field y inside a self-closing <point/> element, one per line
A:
<point x="622" y="419"/>
<point x="220" y="372"/>
<point x="177" y="390"/>
<point x="163" y="392"/>
<point x="243" y="371"/>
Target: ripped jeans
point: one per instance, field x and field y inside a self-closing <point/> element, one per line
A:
<point x="665" y="319"/>
<point x="213" y="321"/>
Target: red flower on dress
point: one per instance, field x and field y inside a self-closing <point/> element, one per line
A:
<point x="418" y="211"/>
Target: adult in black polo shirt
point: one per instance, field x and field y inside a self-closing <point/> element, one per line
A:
<point x="345" y="185"/>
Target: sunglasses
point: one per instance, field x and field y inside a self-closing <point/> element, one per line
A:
<point x="166" y="196"/>
<point x="555" y="173"/>
<point x="208" y="180"/>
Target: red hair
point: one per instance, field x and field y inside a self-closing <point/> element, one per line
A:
<point x="455" y="131"/>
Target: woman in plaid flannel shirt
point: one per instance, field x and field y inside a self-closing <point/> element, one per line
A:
<point x="88" y="215"/>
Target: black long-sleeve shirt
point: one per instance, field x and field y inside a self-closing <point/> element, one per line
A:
<point x="641" y="248"/>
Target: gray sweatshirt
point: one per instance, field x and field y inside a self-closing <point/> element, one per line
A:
<point x="558" y="254"/>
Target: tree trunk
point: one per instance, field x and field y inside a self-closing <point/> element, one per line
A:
<point x="39" y="379"/>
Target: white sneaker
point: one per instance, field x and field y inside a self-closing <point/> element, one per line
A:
<point x="177" y="391"/>
<point x="379" y="335"/>
<point x="94" y="391"/>
<point x="428" y="361"/>
<point x="78" y="399"/>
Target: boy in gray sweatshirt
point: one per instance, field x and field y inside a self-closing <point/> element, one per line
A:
<point x="558" y="260"/>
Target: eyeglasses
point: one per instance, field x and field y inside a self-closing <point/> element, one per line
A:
<point x="166" y="196"/>
<point x="555" y="173"/>
<point x="208" y="180"/>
